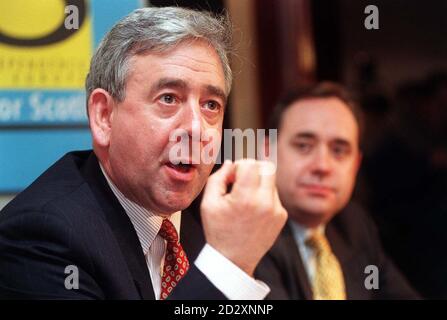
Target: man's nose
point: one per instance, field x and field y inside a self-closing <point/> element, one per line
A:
<point x="322" y="162"/>
<point x="191" y="119"/>
<point x="190" y="123"/>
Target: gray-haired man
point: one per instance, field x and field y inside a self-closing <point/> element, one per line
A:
<point x="106" y="223"/>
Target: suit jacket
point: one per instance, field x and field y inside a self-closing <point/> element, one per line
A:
<point x="355" y="242"/>
<point x="70" y="216"/>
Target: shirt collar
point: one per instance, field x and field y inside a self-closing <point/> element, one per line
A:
<point x="301" y="233"/>
<point x="146" y="223"/>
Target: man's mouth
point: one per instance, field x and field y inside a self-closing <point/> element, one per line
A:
<point x="183" y="171"/>
<point x="181" y="167"/>
<point x="317" y="189"/>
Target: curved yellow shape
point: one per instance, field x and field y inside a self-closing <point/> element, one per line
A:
<point x="30" y="18"/>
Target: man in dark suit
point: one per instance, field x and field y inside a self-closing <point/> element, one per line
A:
<point x="107" y="223"/>
<point x="329" y="248"/>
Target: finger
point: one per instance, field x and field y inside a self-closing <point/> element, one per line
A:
<point x="279" y="209"/>
<point x="218" y="182"/>
<point x="247" y="176"/>
<point x="267" y="174"/>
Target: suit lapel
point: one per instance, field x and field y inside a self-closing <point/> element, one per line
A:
<point x="122" y="227"/>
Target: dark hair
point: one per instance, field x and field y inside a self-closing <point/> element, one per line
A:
<point x="320" y="90"/>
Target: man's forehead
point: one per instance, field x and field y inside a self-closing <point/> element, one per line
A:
<point x="199" y="64"/>
<point x="328" y="118"/>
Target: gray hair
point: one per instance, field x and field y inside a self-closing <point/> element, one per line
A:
<point x="154" y="30"/>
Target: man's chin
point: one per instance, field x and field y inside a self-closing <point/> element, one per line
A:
<point x="316" y="212"/>
<point x="171" y="204"/>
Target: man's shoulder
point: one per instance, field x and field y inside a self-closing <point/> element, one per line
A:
<point x="353" y="214"/>
<point x="54" y="188"/>
<point x="355" y="224"/>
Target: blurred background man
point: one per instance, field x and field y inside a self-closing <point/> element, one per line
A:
<point x="328" y="242"/>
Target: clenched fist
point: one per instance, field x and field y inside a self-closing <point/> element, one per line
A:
<point x="242" y="224"/>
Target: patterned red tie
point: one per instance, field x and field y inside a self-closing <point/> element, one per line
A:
<point x="176" y="263"/>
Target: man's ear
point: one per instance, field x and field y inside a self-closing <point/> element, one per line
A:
<point x="100" y="111"/>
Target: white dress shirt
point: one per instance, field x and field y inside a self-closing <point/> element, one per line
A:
<point x="234" y="283"/>
<point x="308" y="254"/>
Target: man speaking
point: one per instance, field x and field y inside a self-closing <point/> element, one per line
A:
<point x="113" y="215"/>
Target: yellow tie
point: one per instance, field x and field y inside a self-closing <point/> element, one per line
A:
<point x="328" y="282"/>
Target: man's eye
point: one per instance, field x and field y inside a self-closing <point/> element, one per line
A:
<point x="212" y="105"/>
<point x="340" y="151"/>
<point x="167" y="98"/>
<point x="303" y="147"/>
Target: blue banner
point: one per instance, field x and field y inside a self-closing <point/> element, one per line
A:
<point x="42" y="96"/>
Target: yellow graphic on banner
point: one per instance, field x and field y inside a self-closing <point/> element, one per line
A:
<point x="61" y="62"/>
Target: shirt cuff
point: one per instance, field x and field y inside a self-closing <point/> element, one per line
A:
<point x="234" y="283"/>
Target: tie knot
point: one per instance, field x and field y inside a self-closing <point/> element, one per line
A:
<point x="318" y="242"/>
<point x="168" y="232"/>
